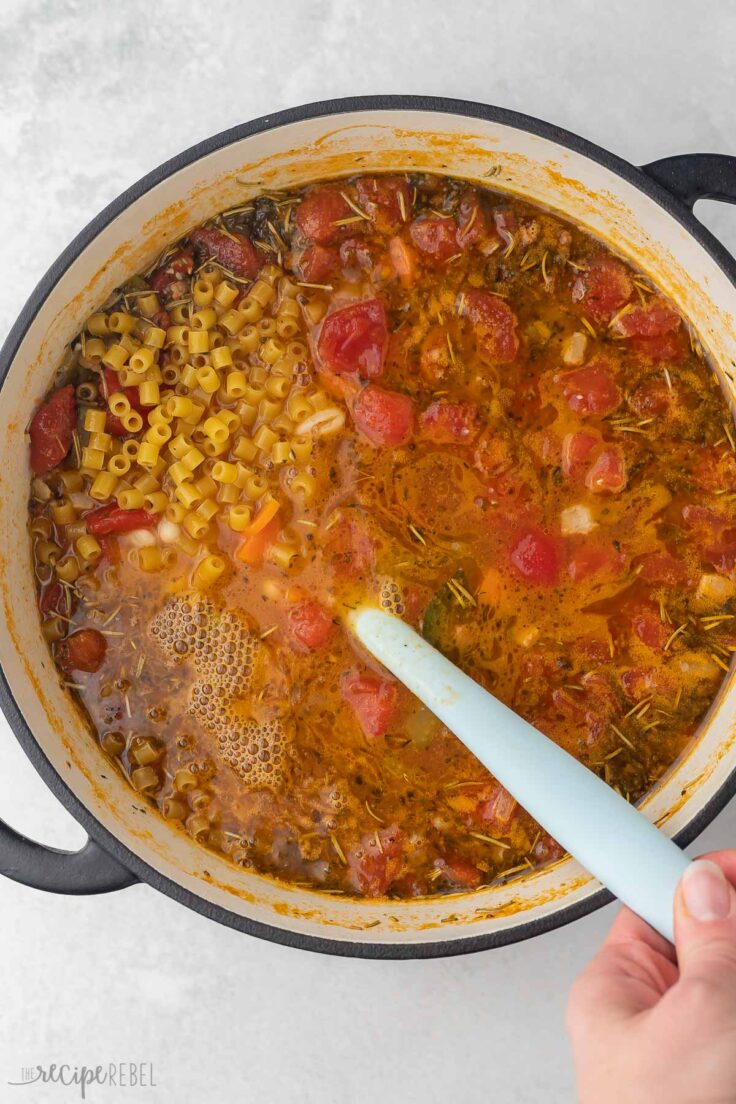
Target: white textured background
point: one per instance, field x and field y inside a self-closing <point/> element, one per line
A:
<point x="93" y="95"/>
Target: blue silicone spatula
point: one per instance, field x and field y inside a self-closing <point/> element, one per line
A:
<point x="607" y="835"/>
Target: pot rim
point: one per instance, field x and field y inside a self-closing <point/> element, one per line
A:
<point x="101" y="835"/>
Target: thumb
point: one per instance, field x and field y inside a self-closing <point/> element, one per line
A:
<point x="705" y="926"/>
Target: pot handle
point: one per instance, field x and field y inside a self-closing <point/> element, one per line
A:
<point x="90" y="870"/>
<point x="693" y="176"/>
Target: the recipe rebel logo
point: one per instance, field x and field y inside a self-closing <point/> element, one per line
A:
<point x="113" y="1075"/>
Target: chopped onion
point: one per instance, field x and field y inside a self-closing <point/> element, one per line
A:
<point x="573" y="348"/>
<point x="576" y="519"/>
<point x="139" y="538"/>
<point x="168" y="531"/>
<point x="322" y="422"/>
<point x="712" y="591"/>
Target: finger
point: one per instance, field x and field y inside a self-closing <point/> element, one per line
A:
<point x="630" y="928"/>
<point x="705" y="923"/>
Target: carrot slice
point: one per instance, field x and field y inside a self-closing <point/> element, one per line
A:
<point x="266" y="514"/>
<point x="252" y="549"/>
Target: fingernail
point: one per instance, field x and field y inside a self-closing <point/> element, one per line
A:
<point x="705" y="891"/>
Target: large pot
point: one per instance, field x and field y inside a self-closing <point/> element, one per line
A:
<point x="645" y="214"/>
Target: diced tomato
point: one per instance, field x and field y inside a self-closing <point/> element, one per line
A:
<point x="590" y="389"/>
<point x="649" y="627"/>
<point x="318" y="262"/>
<point x="447" y="422"/>
<point x="404" y="260"/>
<point x="603" y="288"/>
<point x="672" y="347"/>
<point x="349" y="550"/>
<point x="715" y="469"/>
<point x="576" y="451"/>
<point x="311" y="624"/>
<point x="608" y="472"/>
<point x="111" y="519"/>
<point x="386" y="199"/>
<point x="495" y="809"/>
<point x="319" y="214"/>
<point x="374" y="864"/>
<point x="234" y="251"/>
<point x="494" y="453"/>
<point x="495" y="324"/>
<point x="82" y="651"/>
<point x="595" y="560"/>
<point x="435" y="238"/>
<point x="459" y="872"/>
<point x="652" y="320"/>
<point x="652" y="397"/>
<point x="373" y="700"/>
<point x="506" y="224"/>
<point x="434" y="356"/>
<point x="707" y="523"/>
<point x="473" y="224"/>
<point x="641" y="682"/>
<point x="386" y="418"/>
<point x="51" y="430"/>
<point x="662" y="569"/>
<point x="535" y="557"/>
<point x="547" y="849"/>
<point x="179" y="265"/>
<point x="355" y="339"/>
<point x="53" y="599"/>
<point x="723" y="557"/>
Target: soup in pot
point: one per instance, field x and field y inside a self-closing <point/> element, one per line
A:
<point x="403" y="390"/>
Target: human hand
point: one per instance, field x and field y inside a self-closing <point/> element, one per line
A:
<point x="649" y="1027"/>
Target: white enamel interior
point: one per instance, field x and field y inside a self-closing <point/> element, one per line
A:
<point x="506" y="158"/>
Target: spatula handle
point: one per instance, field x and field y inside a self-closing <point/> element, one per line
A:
<point x="607" y="835"/>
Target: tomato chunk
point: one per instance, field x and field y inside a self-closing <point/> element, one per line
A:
<point x="593" y="559"/>
<point x="374" y="864"/>
<point x="495" y="324"/>
<point x="318" y="262"/>
<point x="473" y="224"/>
<point x="652" y="320"/>
<point x="459" y="871"/>
<point x="53" y="599"/>
<point x="435" y="238"/>
<point x="386" y="418"/>
<point x="373" y="700"/>
<point x="82" y="651"/>
<point x="576" y="451"/>
<point x="649" y="627"/>
<point x="311" y="624"/>
<point x="319" y="214"/>
<point x="662" y="568"/>
<point x="235" y="251"/>
<point x="448" y="423"/>
<point x="603" y="288"/>
<point x="535" y="557"/>
<point x="51" y="430"/>
<point x="386" y="199"/>
<point x="355" y="339"/>
<point x="174" y="269"/>
<point x="591" y="389"/>
<point x="111" y="519"/>
<point x="495" y="809"/>
<point x="608" y="472"/>
<point x="349" y="550"/>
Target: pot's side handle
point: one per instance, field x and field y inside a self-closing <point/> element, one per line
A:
<point x="693" y="176"/>
<point x="90" y="870"/>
